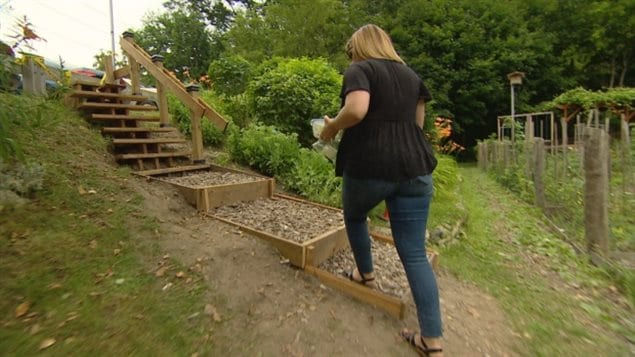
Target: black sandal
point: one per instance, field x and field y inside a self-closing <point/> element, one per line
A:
<point x="364" y="281"/>
<point x="411" y="338"/>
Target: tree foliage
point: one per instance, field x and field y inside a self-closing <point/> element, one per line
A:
<point x="181" y="38"/>
<point x="463" y="49"/>
<point x="296" y="90"/>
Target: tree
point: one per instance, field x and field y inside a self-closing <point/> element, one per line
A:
<point x="181" y="38"/>
<point x="291" y="28"/>
<point x="292" y="92"/>
<point x="220" y="14"/>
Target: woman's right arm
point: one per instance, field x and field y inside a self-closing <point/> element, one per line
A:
<point x="420" y="114"/>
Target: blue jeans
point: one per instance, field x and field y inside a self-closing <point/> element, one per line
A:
<point x="408" y="204"/>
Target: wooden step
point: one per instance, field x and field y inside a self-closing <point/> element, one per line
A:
<point x="148" y="141"/>
<point x="108" y="130"/>
<point x="92" y="94"/>
<point x="171" y="170"/>
<point x="93" y="105"/>
<point x="125" y="117"/>
<point x="153" y="155"/>
<point x="97" y="84"/>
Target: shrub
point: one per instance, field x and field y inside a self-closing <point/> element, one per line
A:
<point x="181" y="118"/>
<point x="293" y="92"/>
<point x="313" y="176"/>
<point x="264" y="148"/>
<point x="230" y="75"/>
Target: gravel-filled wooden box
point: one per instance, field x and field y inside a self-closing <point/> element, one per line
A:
<point x="302" y="231"/>
<point x="218" y="186"/>
<point x="392" y="291"/>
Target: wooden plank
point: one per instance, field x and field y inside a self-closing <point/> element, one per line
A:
<point x="93" y="94"/>
<point x="325" y="245"/>
<point x="197" y="106"/>
<point x="171" y="170"/>
<point x="124" y="117"/>
<point x="152" y="155"/>
<point x="289" y="249"/>
<point x="96" y="82"/>
<point x="122" y="72"/>
<point x="147" y="141"/>
<point x="129" y="129"/>
<point x="93" y="105"/>
<point x="286" y="197"/>
<point x="221" y="195"/>
<point x="391" y="305"/>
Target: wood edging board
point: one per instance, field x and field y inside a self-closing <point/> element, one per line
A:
<point x="319" y="248"/>
<point x="313" y="251"/>
<point x="390" y="304"/>
<point x="206" y="198"/>
<point x="293" y="251"/>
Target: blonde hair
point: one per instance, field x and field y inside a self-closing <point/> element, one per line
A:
<point x="370" y="41"/>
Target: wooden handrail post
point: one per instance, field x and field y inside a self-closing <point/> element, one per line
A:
<point x="161" y="95"/>
<point x="134" y="66"/>
<point x="109" y="69"/>
<point x="197" y="134"/>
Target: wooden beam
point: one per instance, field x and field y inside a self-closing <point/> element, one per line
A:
<point x="122" y="72"/>
<point x="325" y="245"/>
<point x="289" y="249"/>
<point x="391" y="305"/>
<point x="197" y="105"/>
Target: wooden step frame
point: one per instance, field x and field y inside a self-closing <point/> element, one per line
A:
<point x="206" y="198"/>
<point x="314" y="250"/>
<point x="388" y="303"/>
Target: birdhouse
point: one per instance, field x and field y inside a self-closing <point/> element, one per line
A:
<point x="516" y="78"/>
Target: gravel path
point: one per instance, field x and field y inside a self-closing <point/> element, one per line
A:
<point x="389" y="274"/>
<point x="201" y="179"/>
<point x="296" y="221"/>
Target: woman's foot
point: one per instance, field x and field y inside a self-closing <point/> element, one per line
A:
<point x="429" y="346"/>
<point x="366" y="279"/>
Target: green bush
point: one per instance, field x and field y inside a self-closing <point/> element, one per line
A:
<point x="230" y="75"/>
<point x="181" y="118"/>
<point x="264" y="148"/>
<point x="313" y="176"/>
<point x="291" y="93"/>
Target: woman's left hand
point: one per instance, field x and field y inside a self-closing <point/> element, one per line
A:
<point x="329" y="131"/>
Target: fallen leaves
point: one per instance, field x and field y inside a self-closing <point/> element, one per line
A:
<point x="22" y="309"/>
<point x="48" y="342"/>
<point x="210" y="310"/>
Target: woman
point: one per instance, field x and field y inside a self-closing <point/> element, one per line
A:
<point x="383" y="156"/>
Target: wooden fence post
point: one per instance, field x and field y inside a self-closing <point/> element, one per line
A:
<point x="109" y="69"/>
<point x="134" y="66"/>
<point x="596" y="189"/>
<point x="32" y="77"/>
<point x="538" y="163"/>
<point x="197" y="134"/>
<point x="161" y="95"/>
<point x="626" y="153"/>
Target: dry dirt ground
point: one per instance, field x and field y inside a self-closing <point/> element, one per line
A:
<point x="272" y="309"/>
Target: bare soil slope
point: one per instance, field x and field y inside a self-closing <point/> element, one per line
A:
<point x="272" y="309"/>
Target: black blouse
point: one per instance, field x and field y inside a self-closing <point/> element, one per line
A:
<point x="387" y="144"/>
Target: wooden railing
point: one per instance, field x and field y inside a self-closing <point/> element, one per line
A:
<point x="165" y="81"/>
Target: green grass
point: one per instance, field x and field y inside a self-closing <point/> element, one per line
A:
<point x="83" y="260"/>
<point x="506" y="248"/>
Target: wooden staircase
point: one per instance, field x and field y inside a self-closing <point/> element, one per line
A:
<point x="137" y="137"/>
<point x="140" y="134"/>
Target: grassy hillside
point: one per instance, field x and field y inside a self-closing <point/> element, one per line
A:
<point x="76" y="268"/>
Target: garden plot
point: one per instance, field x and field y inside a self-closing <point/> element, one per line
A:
<point x="302" y="231"/>
<point x="218" y="186"/>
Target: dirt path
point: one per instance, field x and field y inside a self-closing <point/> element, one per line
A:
<point x="269" y="308"/>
